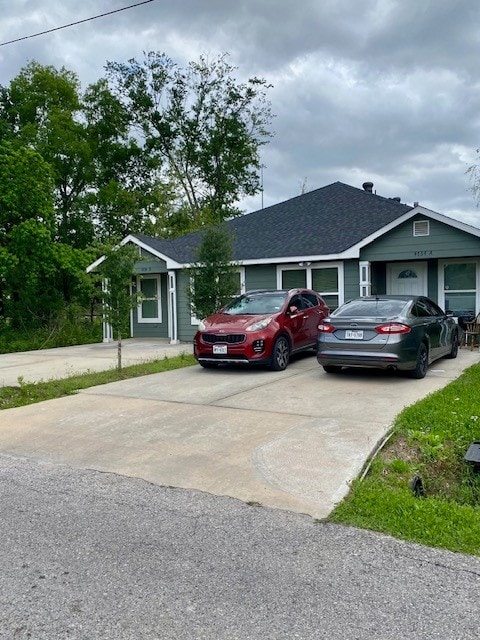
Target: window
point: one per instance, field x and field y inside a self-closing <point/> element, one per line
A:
<point x="460" y="287"/>
<point x="408" y="273"/>
<point x="421" y="228"/>
<point x="325" y="282"/>
<point x="294" y="279"/>
<point x="149" y="309"/>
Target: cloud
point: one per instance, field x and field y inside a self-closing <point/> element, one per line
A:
<point x="384" y="90"/>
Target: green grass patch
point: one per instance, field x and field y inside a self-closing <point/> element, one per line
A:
<point x="430" y="439"/>
<point x="29" y="393"/>
<point x="60" y="334"/>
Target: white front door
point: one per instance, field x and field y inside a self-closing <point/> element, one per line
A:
<point x="407" y="278"/>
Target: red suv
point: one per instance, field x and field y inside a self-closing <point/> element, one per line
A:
<point x="261" y="327"/>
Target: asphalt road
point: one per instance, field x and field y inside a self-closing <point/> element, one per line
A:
<point x="89" y="555"/>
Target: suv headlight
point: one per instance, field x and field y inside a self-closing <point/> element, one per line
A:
<point x="261" y="324"/>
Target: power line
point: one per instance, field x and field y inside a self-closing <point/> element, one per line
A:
<point x="71" y="24"/>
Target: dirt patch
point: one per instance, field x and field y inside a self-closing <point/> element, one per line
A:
<point x="399" y="449"/>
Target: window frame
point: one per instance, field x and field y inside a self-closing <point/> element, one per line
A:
<point x="308" y="268"/>
<point x="159" y="318"/>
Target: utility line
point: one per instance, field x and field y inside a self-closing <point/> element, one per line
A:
<point x="71" y="24"/>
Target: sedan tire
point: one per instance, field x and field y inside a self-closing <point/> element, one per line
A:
<point x="421" y="366"/>
<point x="454" y="350"/>
<point x="331" y="368"/>
<point x="280" y="354"/>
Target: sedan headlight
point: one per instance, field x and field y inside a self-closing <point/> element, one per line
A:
<point x="261" y="324"/>
<point x="201" y="325"/>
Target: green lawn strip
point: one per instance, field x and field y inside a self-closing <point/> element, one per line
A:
<point x="429" y="521"/>
<point x="430" y="439"/>
<point x="29" y="393"/>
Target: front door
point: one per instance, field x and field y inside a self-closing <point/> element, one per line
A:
<point x="407" y="278"/>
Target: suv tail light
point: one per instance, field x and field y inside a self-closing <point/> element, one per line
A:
<point x="325" y="327"/>
<point x="393" y="327"/>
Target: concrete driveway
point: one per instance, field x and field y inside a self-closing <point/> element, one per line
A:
<point x="291" y="440"/>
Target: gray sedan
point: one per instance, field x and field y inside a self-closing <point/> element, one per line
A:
<point x="404" y="333"/>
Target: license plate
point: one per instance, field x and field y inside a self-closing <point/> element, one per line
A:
<point x="353" y="335"/>
<point x="220" y="349"/>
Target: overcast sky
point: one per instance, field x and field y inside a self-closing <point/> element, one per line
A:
<point x="381" y="90"/>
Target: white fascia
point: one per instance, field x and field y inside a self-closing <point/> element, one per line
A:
<point x="171" y="264"/>
<point x="354" y="251"/>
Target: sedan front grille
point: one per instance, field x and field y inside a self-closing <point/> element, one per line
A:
<point x="229" y="338"/>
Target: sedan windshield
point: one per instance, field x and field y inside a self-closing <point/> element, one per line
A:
<point x="256" y="304"/>
<point x="368" y="308"/>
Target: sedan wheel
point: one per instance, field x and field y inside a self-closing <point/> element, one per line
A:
<point x="421" y="367"/>
<point x="280" y="354"/>
<point x="454" y="350"/>
<point x="331" y="368"/>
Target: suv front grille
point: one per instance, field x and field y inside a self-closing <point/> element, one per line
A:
<point x="229" y="338"/>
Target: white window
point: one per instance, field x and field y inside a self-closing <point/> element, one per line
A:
<point x="365" y="279"/>
<point x="326" y="279"/>
<point x="150" y="307"/>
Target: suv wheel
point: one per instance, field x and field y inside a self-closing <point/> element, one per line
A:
<point x="280" y="354"/>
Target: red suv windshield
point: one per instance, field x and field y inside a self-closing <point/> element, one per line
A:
<point x="256" y="304"/>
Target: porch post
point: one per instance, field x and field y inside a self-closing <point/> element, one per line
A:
<point x="365" y="278"/>
<point x="106" y="326"/>
<point x="172" y="307"/>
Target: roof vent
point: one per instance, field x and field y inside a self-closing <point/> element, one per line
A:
<point x="397" y="199"/>
<point x="368" y="186"/>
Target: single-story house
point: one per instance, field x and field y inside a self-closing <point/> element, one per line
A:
<point x="340" y="240"/>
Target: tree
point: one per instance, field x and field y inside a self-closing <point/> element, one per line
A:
<point x="118" y="269"/>
<point x="102" y="177"/>
<point x="214" y="276"/>
<point x="37" y="275"/>
<point x="204" y="128"/>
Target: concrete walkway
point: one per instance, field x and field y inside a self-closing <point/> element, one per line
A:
<point x="291" y="440"/>
<point x="49" y="364"/>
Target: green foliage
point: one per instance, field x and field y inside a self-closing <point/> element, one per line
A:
<point x="213" y="277"/>
<point x="430" y="440"/>
<point x="118" y="269"/>
<point x="203" y="127"/>
<point x="69" y="327"/>
<point x="164" y="151"/>
<point x="86" y="142"/>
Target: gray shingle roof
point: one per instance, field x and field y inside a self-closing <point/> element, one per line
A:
<point x="321" y="222"/>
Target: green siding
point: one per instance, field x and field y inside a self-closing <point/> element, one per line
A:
<point x="443" y="242"/>
<point x="150" y="266"/>
<point x="185" y="329"/>
<point x="351" y="277"/>
<point x="261" y="277"/>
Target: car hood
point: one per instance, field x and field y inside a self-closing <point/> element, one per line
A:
<point x="227" y="322"/>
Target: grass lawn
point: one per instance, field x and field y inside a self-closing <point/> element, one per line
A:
<point x="429" y="441"/>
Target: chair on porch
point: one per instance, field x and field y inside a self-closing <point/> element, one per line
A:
<point x="471" y="335"/>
